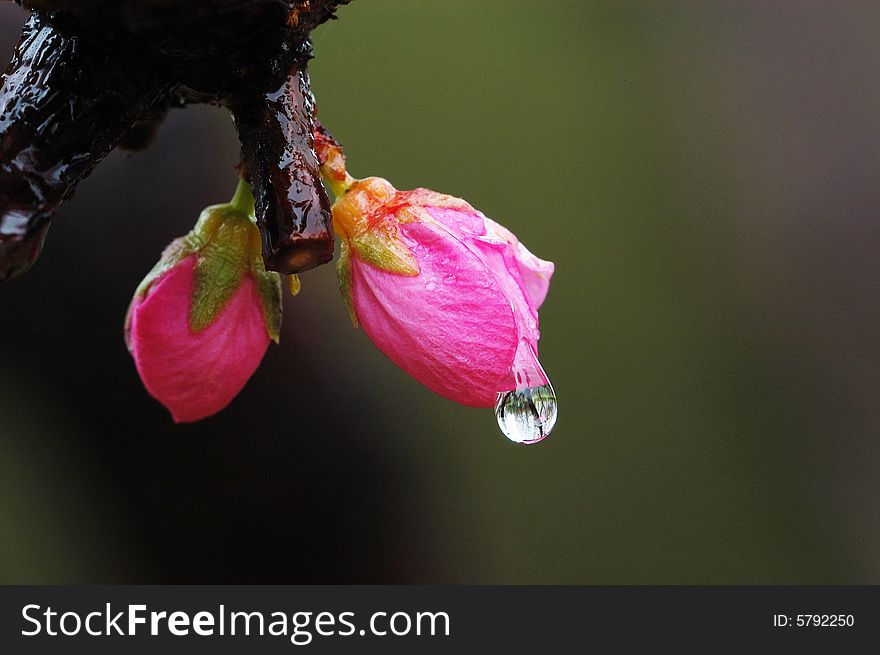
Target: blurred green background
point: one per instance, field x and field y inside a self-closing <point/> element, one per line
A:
<point x="705" y="177"/>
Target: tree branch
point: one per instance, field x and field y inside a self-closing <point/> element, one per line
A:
<point x="89" y="75"/>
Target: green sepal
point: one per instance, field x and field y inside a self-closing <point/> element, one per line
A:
<point x="226" y="242"/>
<point x="269" y="288"/>
<point x="343" y="271"/>
<point x="230" y="250"/>
<point x="386" y="251"/>
<point x="223" y="259"/>
<point x="268" y="282"/>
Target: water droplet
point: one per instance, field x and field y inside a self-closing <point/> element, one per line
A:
<point x="294" y="284"/>
<point x="527" y="416"/>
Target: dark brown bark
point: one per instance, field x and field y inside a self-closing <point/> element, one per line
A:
<point x="63" y="107"/>
<point x="278" y="146"/>
<point x="89" y="75"/>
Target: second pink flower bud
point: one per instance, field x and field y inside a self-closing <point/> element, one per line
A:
<point x="449" y="295"/>
<point x="200" y="322"/>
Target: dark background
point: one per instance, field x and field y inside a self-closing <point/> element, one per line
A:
<point x="704" y="175"/>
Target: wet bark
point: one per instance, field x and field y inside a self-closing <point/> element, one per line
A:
<point x="277" y="138"/>
<point x="90" y="75"/>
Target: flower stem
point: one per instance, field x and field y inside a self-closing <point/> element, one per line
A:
<point x="243" y="200"/>
<point x="332" y="161"/>
<point x="337" y="186"/>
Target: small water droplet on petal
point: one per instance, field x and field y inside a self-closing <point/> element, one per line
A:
<point x="527" y="416"/>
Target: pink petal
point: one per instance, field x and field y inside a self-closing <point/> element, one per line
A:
<point x="535" y="272"/>
<point x="464" y="223"/>
<point x="195" y="375"/>
<point x="451" y="327"/>
<point x="532" y="274"/>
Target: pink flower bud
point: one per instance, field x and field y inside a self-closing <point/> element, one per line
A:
<point x="446" y="293"/>
<point x="200" y="322"/>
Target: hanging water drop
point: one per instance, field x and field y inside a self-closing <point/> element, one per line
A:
<point x="528" y="415"/>
<point x="294" y="284"/>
